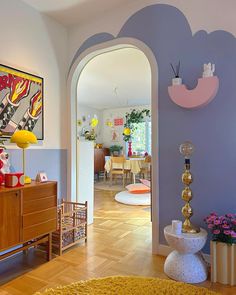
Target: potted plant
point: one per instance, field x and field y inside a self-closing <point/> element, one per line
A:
<point x="115" y="150"/>
<point x="223" y="247"/>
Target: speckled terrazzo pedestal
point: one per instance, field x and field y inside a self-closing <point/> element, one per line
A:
<point x="185" y="263"/>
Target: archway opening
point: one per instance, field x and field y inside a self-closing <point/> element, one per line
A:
<point x="75" y="73"/>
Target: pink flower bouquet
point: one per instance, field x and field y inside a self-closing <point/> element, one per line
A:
<point x="223" y="228"/>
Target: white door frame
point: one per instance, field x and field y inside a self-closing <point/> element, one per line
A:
<point x="72" y="81"/>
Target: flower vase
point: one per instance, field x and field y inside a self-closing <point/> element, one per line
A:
<point x="223" y="263"/>
<point x="130" y="153"/>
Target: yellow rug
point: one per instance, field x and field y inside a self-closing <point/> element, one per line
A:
<point x="128" y="286"/>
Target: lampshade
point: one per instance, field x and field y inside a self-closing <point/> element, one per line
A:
<point x="23" y="138"/>
<point x="186" y="149"/>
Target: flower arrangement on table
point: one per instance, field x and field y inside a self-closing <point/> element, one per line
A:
<point x="223" y="228"/>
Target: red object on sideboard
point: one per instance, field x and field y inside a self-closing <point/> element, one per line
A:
<point x="14" y="179"/>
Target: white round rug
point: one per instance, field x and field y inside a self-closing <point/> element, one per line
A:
<point x="133" y="199"/>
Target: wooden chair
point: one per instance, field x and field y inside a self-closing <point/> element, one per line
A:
<point x="118" y="171"/>
<point x="147" y="169"/>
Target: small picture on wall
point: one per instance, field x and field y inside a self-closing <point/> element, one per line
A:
<point x="114" y="135"/>
<point x="21" y="102"/>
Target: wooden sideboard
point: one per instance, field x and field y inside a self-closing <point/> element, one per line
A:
<point x="28" y="216"/>
<point x="99" y="160"/>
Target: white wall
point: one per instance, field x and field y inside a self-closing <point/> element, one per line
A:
<point x="207" y="15"/>
<point x="111" y="114"/>
<point x="89" y="113"/>
<point x="37" y="44"/>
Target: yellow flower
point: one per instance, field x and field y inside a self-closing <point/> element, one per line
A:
<point x="127" y="131"/>
<point x="109" y="124"/>
<point x="94" y="122"/>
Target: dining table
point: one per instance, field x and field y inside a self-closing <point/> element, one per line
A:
<point x="134" y="165"/>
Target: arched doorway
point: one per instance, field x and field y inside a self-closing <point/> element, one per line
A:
<point x="73" y="77"/>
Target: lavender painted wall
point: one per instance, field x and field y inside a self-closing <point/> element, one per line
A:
<point x="212" y="129"/>
<point x="52" y="161"/>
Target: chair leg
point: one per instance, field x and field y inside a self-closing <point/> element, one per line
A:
<point x="104" y="177"/>
<point x="110" y="179"/>
<point x="123" y="180"/>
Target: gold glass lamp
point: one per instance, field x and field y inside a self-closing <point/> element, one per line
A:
<point x="23" y="139"/>
<point x="187" y="149"/>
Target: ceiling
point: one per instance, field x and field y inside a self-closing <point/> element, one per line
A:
<point x="116" y="79"/>
<point x="69" y="12"/>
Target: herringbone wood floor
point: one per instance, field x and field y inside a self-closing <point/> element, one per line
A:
<point x="119" y="243"/>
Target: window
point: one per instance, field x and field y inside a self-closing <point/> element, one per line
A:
<point x="141" y="138"/>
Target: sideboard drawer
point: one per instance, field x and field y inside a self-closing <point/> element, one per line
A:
<point x="39" y="204"/>
<point x="37" y="230"/>
<point x="42" y="191"/>
<point x="39" y="217"/>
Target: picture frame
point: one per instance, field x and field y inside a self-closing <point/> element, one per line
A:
<point x="41" y="177"/>
<point x="21" y="102"/>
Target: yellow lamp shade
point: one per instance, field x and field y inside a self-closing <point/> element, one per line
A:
<point x="94" y="122"/>
<point x="23" y="138"/>
<point x="127" y="131"/>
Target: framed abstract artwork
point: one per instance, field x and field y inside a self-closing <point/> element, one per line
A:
<point x="21" y="102"/>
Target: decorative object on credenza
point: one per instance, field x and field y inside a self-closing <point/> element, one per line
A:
<point x="41" y="177"/>
<point x="223" y="247"/>
<point x="14" y="179"/>
<point x="201" y="95"/>
<point x="23" y="139"/>
<point x="21" y="102"/>
<point x="186" y="149"/>
<point x="176" y="80"/>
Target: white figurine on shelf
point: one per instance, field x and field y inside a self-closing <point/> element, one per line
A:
<point x="208" y="70"/>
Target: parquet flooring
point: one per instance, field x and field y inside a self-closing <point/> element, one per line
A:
<point x="119" y="243"/>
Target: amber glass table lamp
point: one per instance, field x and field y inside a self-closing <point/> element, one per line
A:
<point x="23" y="139"/>
<point x="187" y="149"/>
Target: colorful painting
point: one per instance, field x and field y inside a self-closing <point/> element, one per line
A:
<point x="21" y="102"/>
<point x="118" y="122"/>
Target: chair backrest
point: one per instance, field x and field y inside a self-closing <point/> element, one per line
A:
<point x="118" y="160"/>
<point x="148" y="159"/>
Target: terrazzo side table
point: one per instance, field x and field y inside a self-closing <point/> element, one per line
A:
<point x="185" y="263"/>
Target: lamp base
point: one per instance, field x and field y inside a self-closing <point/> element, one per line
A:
<point x="189" y="228"/>
<point x="27" y="180"/>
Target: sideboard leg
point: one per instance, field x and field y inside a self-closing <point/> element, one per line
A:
<point x="49" y="250"/>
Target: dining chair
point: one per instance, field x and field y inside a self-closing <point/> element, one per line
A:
<point x="146" y="169"/>
<point x="117" y="168"/>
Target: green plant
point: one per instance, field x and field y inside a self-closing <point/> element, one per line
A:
<point x="132" y="119"/>
<point x="115" y="148"/>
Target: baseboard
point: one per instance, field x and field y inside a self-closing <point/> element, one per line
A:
<point x="164" y="250"/>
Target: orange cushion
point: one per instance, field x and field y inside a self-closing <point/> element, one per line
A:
<point x="138" y="188"/>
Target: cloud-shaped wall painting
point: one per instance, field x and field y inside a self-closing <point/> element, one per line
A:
<point x="201" y="95"/>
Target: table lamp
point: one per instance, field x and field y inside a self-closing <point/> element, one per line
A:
<point x="23" y="139"/>
<point x="187" y="149"/>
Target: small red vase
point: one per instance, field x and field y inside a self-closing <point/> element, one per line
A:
<point x="130" y="153"/>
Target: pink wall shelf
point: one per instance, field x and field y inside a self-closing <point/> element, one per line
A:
<point x="204" y="92"/>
